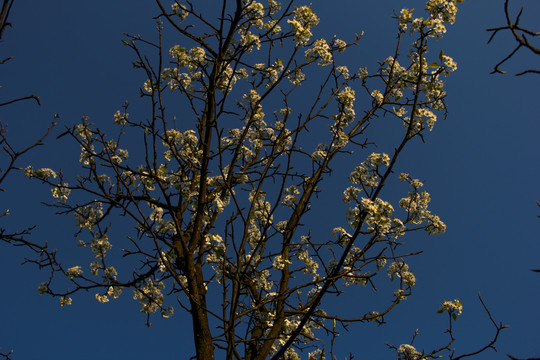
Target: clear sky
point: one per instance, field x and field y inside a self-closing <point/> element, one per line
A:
<point x="481" y="167"/>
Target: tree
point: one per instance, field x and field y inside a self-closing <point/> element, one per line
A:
<point x="219" y="202"/>
<point x="522" y="36"/>
<point x="10" y="154"/>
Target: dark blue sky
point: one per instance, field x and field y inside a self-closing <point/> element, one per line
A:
<point x="481" y="167"/>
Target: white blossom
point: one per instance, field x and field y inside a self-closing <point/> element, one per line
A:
<point x="42" y="174"/>
<point x="340" y="45"/>
<point x="65" y="300"/>
<point x="100" y="245"/>
<point x="452" y="307"/>
<point x="114" y="291"/>
<point x="280" y="262"/>
<point x="120" y="118"/>
<point x="87" y="216"/>
<point x="409" y="352"/>
<point x="74" y="271"/>
<point x="378" y="96"/>
<point x="321" y="51"/>
<point x="289" y="197"/>
<point x="179" y="10"/>
<point x="405" y="17"/>
<point x="61" y="192"/>
<point x="149" y="295"/>
<point x="304" y="19"/>
<point x="102" y="298"/>
<point x="43" y="288"/>
<point x="363" y="73"/>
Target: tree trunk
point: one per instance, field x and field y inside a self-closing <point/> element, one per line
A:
<point x="201" y="330"/>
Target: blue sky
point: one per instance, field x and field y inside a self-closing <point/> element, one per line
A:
<point x="481" y="167"/>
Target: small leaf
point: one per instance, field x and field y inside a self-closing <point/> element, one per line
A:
<point x="441" y="55"/>
<point x="433" y="65"/>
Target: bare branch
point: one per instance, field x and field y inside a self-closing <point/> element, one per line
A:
<point x="520" y="36"/>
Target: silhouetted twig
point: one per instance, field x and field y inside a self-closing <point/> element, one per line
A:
<point x="521" y="36"/>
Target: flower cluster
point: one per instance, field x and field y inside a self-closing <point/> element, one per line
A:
<point x="109" y="274"/>
<point x="419" y="73"/>
<point x="311" y="265"/>
<point x="179" y="10"/>
<point x="182" y="146"/>
<point x="289" y="325"/>
<point x="100" y="245"/>
<point x="401" y="270"/>
<point x="120" y="118"/>
<point x="271" y="73"/>
<point x="452" y="307"/>
<point x="367" y="174"/>
<point x="102" y="298"/>
<point x="405" y="17"/>
<point x="421" y="117"/>
<point x="61" y="192"/>
<point x="254" y="11"/>
<point x="119" y="155"/>
<point x="363" y="73"/>
<point x="65" y="300"/>
<point x="42" y="174"/>
<point x="320" y="152"/>
<point x="157" y="213"/>
<point x="316" y="355"/>
<point x="321" y="51"/>
<point x="74" y="271"/>
<point x="377" y="96"/>
<point x="166" y="259"/>
<point x="296" y="76"/>
<point x="441" y="12"/>
<point x="249" y="40"/>
<point x="114" y="291"/>
<point x="304" y="19"/>
<point x="289" y="197"/>
<point x="252" y="97"/>
<point x="345" y="98"/>
<point x="273" y="6"/>
<point x="399" y="78"/>
<point x="377" y="216"/>
<point x="416" y="205"/>
<point x="87" y="216"/>
<point x="344" y="71"/>
<point x="280" y="262"/>
<point x="449" y="64"/>
<point x="193" y="59"/>
<point x="228" y="78"/>
<point x="445" y="10"/>
<point x="43" y="288"/>
<point x="409" y="352"/>
<point x="339" y="45"/>
<point x="150" y="297"/>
